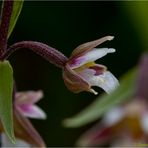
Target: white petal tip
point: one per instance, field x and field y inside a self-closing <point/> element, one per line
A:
<point x="111" y="50"/>
<point x="93" y="91"/>
<point x="110" y="38"/>
<point x="42" y="116"/>
<point x="33" y="111"/>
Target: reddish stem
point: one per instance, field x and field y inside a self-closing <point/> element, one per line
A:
<point x="50" y="54"/>
<point x="4" y="26"/>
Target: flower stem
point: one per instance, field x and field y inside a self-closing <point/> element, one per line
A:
<point x="4" y="26"/>
<point x="50" y="54"/>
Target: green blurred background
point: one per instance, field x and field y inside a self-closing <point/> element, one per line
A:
<point x="65" y="25"/>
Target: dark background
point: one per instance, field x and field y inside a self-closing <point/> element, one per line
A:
<point x="65" y="25"/>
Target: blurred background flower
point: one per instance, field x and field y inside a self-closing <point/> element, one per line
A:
<point x="26" y="134"/>
<point x="125" y="125"/>
<point x="65" y="25"/>
<point x="25" y="104"/>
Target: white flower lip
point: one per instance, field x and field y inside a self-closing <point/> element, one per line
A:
<point x="106" y="81"/>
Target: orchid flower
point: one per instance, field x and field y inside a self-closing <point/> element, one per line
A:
<point x="121" y="126"/>
<point x="25" y="133"/>
<point x="80" y="72"/>
<point x="24" y="103"/>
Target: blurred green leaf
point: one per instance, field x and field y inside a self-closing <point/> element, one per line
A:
<point x="137" y="12"/>
<point x="102" y="104"/>
<point x="6" y="88"/>
<point x="17" y="7"/>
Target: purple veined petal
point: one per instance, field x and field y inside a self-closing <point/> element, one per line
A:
<point x="28" y="97"/>
<point x="86" y="47"/>
<point x="31" y="111"/>
<point x="106" y="81"/>
<point x="113" y="116"/>
<point x="73" y="81"/>
<point x="5" y="142"/>
<point x="90" y="56"/>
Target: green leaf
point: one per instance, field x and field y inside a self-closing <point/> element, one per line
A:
<point x="17" y="7"/>
<point x="102" y="104"/>
<point x="6" y="88"/>
<point x="137" y="13"/>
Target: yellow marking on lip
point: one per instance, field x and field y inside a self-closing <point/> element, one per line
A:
<point x="85" y="66"/>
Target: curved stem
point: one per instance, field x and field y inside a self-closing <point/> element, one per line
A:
<point x="50" y="54"/>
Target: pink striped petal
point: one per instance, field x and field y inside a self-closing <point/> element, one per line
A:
<point x="90" y="56"/>
<point x="31" y="111"/>
<point x="28" y="97"/>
